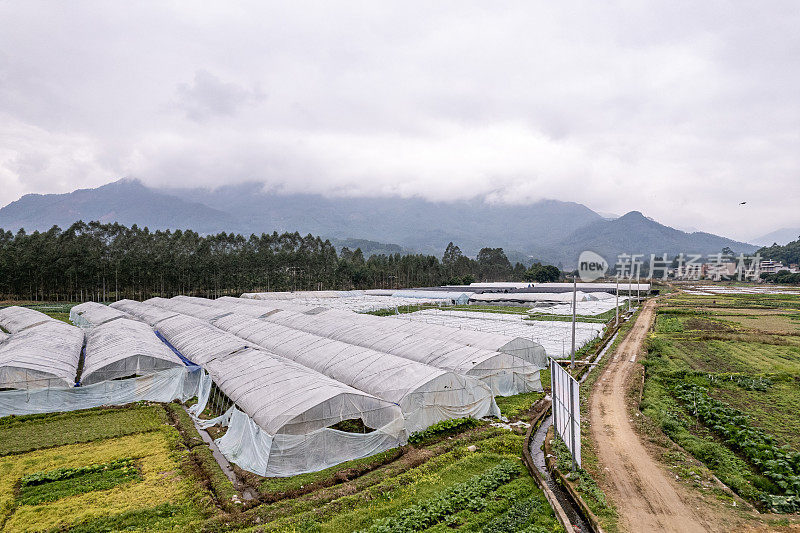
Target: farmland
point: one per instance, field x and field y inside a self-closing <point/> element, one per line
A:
<point x="97" y="470"/>
<point x="722" y="382"/>
<point x="142" y="467"/>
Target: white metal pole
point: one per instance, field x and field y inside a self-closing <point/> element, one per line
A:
<point x="553" y="388"/>
<point x="637" y="289"/>
<point x="574" y="302"/>
<point x="616" y="308"/>
<point x="630" y="292"/>
<point x="572" y="421"/>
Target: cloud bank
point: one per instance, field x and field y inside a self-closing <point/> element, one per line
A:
<point x="678" y="109"/>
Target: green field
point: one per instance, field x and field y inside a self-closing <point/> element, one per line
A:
<point x="145" y="468"/>
<point x="95" y="470"/>
<point x="723" y="381"/>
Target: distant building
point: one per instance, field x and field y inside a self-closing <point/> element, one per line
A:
<point x="768" y="266"/>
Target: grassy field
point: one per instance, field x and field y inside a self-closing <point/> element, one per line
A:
<point x="97" y="470"/>
<point x="722" y="381"/>
<point x="144" y="468"/>
<point x="441" y="486"/>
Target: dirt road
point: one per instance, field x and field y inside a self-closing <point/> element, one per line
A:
<point x="647" y="497"/>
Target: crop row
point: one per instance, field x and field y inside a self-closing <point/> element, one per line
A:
<point x="779" y="464"/>
<point x="450" y="425"/>
<point x="469" y="495"/>
<point x="518" y="518"/>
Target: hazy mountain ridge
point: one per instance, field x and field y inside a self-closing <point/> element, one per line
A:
<point x="781" y="236"/>
<point x="549" y="230"/>
<point x="125" y="201"/>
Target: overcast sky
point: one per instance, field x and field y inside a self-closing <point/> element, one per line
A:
<point x="678" y="109"/>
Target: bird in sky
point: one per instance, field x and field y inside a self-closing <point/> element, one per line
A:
<point x="742" y="203"/>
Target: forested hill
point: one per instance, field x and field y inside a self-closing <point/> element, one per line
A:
<point x="97" y="261"/>
<point x="550" y="231"/>
<point x="787" y="254"/>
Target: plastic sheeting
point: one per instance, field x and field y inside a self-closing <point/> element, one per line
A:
<point x="454" y="297"/>
<point x="360" y="304"/>
<point x="281" y="424"/>
<point x="165" y="386"/>
<point x="504" y="374"/>
<point x="530" y="297"/>
<point x="15" y="318"/>
<point x="183" y="305"/>
<point x="198" y="340"/>
<point x="89" y="314"/>
<point x="554" y="336"/>
<point x="274" y="305"/>
<point x="523" y="348"/>
<point x="123" y="348"/>
<point x="255" y="450"/>
<point x="41" y="356"/>
<point x="149" y="314"/>
<point x="425" y="394"/>
<point x="300" y="294"/>
<point x="283" y="402"/>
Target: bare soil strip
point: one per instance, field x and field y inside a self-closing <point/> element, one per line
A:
<point x="647" y="496"/>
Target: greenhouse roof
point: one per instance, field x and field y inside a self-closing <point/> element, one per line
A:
<point x="90" y="314"/>
<point x="41" y="356"/>
<point x="123" y="348"/>
<point x="15" y="318"/>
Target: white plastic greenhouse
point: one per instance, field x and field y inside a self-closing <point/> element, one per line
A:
<point x="90" y="314"/>
<point x="124" y="348"/>
<point x="149" y="314"/>
<point x="284" y="305"/>
<point x="282" y="426"/>
<point x="186" y="307"/>
<point x="198" y="340"/>
<point x="40" y="356"/>
<point x="554" y="336"/>
<point x="301" y="294"/>
<point x="425" y="394"/>
<point x="503" y="373"/>
<point x="452" y="297"/>
<point x="521" y="347"/>
<point x="279" y="425"/>
<point x="14" y="318"/>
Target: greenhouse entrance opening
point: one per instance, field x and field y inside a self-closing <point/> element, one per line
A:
<point x="353" y="425"/>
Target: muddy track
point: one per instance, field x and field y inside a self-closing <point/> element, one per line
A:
<point x="646" y="495"/>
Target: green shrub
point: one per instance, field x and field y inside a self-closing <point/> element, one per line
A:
<point x="452" y="425"/>
<point x="56" y="484"/>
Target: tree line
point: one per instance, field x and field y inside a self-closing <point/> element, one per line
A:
<point x="107" y="262"/>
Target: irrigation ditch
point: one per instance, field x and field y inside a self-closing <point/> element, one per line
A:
<point x="571" y="510"/>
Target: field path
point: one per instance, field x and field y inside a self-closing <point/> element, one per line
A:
<point x="647" y="496"/>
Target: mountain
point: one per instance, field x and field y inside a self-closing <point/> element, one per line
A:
<point x="634" y="233"/>
<point x="125" y="201"/>
<point x="550" y="231"/>
<point x="782" y="236"/>
<point x="411" y="222"/>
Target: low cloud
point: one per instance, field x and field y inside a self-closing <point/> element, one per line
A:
<point x="680" y="110"/>
<point x="208" y="96"/>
